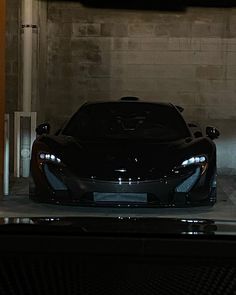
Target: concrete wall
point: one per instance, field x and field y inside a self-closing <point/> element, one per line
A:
<point x="12" y="55"/>
<point x="188" y="58"/>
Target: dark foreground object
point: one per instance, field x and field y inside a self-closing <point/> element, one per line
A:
<point x="117" y="256"/>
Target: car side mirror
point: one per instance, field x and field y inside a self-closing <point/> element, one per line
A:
<point x="43" y="129"/>
<point x="212" y="132"/>
<point x="196" y="130"/>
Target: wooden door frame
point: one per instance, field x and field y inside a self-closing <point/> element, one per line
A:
<point x="2" y="86"/>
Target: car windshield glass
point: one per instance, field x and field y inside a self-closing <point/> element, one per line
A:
<point x="128" y="120"/>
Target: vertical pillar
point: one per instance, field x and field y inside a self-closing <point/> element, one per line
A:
<point x="2" y="87"/>
<point x="27" y="44"/>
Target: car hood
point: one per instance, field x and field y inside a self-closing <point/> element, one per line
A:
<point x="111" y="160"/>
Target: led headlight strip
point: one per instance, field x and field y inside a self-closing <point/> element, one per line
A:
<point x="194" y="160"/>
<point x="49" y="157"/>
<point x="201" y="160"/>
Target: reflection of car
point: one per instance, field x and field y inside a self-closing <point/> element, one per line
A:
<point x="125" y="153"/>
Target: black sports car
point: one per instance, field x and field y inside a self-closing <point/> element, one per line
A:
<point x="125" y="153"/>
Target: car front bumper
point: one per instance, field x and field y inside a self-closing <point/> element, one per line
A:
<point x="166" y="192"/>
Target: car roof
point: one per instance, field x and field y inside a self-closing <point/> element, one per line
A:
<point x="128" y="101"/>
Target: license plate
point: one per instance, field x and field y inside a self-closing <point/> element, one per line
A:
<point x="120" y="197"/>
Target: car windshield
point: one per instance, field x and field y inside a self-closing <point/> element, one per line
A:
<point x="128" y="120"/>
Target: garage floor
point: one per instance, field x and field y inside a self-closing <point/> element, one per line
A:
<point x="17" y="204"/>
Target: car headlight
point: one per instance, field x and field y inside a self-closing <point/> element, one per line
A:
<point x="200" y="163"/>
<point x="43" y="156"/>
<point x="194" y="160"/>
<point x="55" y="180"/>
<point x="197" y="160"/>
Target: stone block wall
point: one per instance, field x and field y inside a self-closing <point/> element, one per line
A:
<point x="187" y="58"/>
<point x="12" y="55"/>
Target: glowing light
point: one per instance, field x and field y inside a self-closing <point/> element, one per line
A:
<point x="121" y="170"/>
<point x="58" y="160"/>
<point x="202" y="159"/>
<point x="53" y="158"/>
<point x="191" y="160"/>
<point x="197" y="160"/>
<point x="49" y="157"/>
<point x="194" y="160"/>
<point x="42" y="156"/>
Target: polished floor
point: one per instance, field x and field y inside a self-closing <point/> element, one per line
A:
<point x="17" y="204"/>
